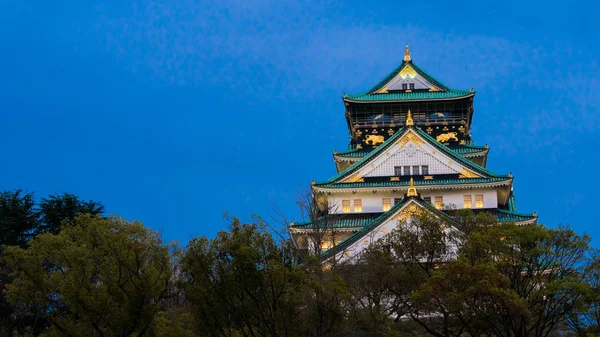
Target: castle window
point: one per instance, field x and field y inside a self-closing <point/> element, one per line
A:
<point x="397" y="170"/>
<point x="439" y="202"/>
<point x="397" y="201"/>
<point x="427" y="200"/>
<point x="357" y="205"/>
<point x="386" y="204"/>
<point x="406" y="170"/>
<point x="404" y="86"/>
<point x="411" y="86"/>
<point x="345" y="206"/>
<point x="479" y="200"/>
<point x="415" y="171"/>
<point x="467" y="201"/>
<point x="424" y="170"/>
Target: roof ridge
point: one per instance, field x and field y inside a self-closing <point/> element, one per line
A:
<point x="398" y="69"/>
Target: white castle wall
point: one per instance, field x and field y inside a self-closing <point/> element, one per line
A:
<point x="372" y="202"/>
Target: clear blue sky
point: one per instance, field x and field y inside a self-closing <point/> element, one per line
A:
<point x="173" y="111"/>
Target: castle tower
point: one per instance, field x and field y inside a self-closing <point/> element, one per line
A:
<point x="410" y="150"/>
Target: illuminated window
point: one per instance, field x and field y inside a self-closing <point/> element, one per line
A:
<point x="386" y="204"/>
<point x="345" y="206"/>
<point x="328" y="243"/>
<point x="479" y="200"/>
<point x="406" y="170"/>
<point x="397" y="170"/>
<point x="357" y="205"/>
<point x="424" y="170"/>
<point x="439" y="202"/>
<point x="467" y="201"/>
<point x="416" y="170"/>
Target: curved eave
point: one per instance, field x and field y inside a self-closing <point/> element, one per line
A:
<point x="402" y="185"/>
<point x="372" y="98"/>
<point x="345" y="158"/>
<point x="475" y="154"/>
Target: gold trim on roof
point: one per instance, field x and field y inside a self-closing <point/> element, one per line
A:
<point x="467" y="174"/>
<point x="409" y="120"/>
<point x="355" y="178"/>
<point x="407" y="54"/>
<point x="409" y="137"/>
<point x="412" y="191"/>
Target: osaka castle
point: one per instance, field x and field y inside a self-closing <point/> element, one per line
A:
<point x="410" y="151"/>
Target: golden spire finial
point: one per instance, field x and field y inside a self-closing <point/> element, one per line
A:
<point x="407" y="54"/>
<point x="409" y="120"/>
<point x="412" y="191"/>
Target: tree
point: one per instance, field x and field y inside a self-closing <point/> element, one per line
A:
<point x="57" y="208"/>
<point x="18" y="218"/>
<point x="474" y="277"/>
<point x="97" y="277"/>
<point x="545" y="268"/>
<point x="585" y="320"/>
<point x="18" y="223"/>
<point x="241" y="283"/>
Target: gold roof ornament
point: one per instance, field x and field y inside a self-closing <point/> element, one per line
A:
<point x="409" y="120"/>
<point x="407" y="54"/>
<point x="412" y="191"/>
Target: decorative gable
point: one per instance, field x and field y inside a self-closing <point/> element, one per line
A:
<point x="403" y="80"/>
<point x="411" y="149"/>
<point x="382" y="226"/>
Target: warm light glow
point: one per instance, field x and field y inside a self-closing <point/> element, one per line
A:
<point x="357" y="205"/>
<point x="479" y="200"/>
<point x="439" y="202"/>
<point x="386" y="204"/>
<point x="467" y="201"/>
<point x="345" y="206"/>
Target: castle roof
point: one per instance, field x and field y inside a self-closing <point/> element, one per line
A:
<point x="390" y="88"/>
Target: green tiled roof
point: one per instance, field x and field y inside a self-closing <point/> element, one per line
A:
<point x="357" y="165"/>
<point x="460" y="149"/>
<point x="409" y="96"/>
<point x="359" y="220"/>
<point x="512" y="203"/>
<point x="417" y="182"/>
<point x="356" y="153"/>
<point x="415" y="95"/>
<point x="466" y="149"/>
<point x="345" y="220"/>
<point x="508" y="216"/>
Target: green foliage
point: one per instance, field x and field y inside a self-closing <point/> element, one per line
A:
<point x="18" y="218"/>
<point x="468" y="276"/>
<point x="176" y="322"/>
<point x="57" y="208"/>
<point x="240" y="283"/>
<point x="97" y="277"/>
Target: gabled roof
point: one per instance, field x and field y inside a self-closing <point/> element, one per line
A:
<point x="460" y="149"/>
<point x="379" y="220"/>
<point x="359" y="220"/>
<point x="386" y="89"/>
<point x="392" y="140"/>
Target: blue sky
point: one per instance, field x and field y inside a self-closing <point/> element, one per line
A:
<point x="171" y="112"/>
